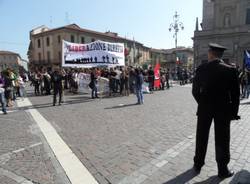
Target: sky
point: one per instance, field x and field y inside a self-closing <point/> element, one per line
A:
<point x="147" y="21"/>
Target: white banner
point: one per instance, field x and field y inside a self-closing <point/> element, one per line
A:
<point x="84" y="80"/>
<point x="94" y="54"/>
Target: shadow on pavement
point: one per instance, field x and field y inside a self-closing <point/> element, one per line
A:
<point x="183" y="177"/>
<point x="121" y="106"/>
<point x="78" y="97"/>
<point x="46" y="105"/>
<point x="245" y="103"/>
<point x="211" y="180"/>
<point x="242" y="177"/>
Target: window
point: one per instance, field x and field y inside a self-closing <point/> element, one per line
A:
<point x="248" y="16"/>
<point x="39" y="43"/>
<point x="39" y="57"/>
<point x="92" y="40"/>
<point x="227" y="20"/>
<point x="59" y="39"/>
<point x="72" y="38"/>
<point x="47" y="41"/>
<point x="48" y="56"/>
<point x="82" y="40"/>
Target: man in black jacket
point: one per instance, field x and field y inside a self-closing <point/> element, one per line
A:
<point x="93" y="83"/>
<point x="151" y="79"/>
<point x="57" y="79"/>
<point x="216" y="90"/>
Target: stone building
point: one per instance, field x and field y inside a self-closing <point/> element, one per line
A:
<point x="45" y="47"/>
<point x="158" y="55"/>
<point x="226" y="22"/>
<point x="11" y="60"/>
<point x="181" y="57"/>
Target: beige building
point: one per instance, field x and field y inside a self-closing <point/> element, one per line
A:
<point x="10" y="60"/>
<point x="157" y="55"/>
<point x="182" y="57"/>
<point x="226" y="22"/>
<point x="45" y="47"/>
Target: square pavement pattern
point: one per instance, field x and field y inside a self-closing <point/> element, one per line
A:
<point x="118" y="142"/>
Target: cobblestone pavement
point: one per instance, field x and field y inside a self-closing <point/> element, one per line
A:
<point x="25" y="157"/>
<point x="123" y="143"/>
<point x="120" y="142"/>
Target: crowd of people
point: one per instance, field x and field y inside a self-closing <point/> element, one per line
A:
<point x="122" y="81"/>
<point x="12" y="85"/>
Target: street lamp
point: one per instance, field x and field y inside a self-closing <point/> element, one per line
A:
<point x="176" y="26"/>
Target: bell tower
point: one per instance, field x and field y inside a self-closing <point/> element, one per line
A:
<point x="208" y="15"/>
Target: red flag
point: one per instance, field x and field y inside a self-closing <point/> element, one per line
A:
<point x="157" y="82"/>
<point x="177" y="61"/>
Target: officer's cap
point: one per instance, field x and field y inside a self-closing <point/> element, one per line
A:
<point x="216" y="47"/>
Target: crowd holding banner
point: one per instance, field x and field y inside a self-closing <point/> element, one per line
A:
<point x="91" y="55"/>
<point x="104" y="63"/>
<point x="99" y="68"/>
<point x="101" y="62"/>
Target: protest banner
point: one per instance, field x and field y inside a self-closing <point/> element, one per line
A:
<point x="84" y="80"/>
<point x="93" y="54"/>
<point x="145" y="88"/>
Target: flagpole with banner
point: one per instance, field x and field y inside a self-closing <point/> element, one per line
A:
<point x="157" y="81"/>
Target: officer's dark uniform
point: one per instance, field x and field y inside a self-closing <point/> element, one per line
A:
<point x="216" y="90"/>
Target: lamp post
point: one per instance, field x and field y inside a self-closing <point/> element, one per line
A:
<point x="176" y="26"/>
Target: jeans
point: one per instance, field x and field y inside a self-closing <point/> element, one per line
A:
<point x="37" y="88"/>
<point x="139" y="95"/>
<point x="22" y="91"/>
<point x="94" y="91"/>
<point x="3" y="101"/>
<point x="246" y="91"/>
<point x="57" y="91"/>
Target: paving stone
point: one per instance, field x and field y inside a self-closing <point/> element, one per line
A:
<point x="22" y="152"/>
<point x="117" y="143"/>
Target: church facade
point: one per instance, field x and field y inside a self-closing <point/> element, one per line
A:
<point x="226" y="22"/>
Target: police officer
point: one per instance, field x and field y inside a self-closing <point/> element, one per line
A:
<point x="216" y="90"/>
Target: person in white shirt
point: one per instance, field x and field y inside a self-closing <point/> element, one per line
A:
<point x="117" y="79"/>
<point x="21" y="86"/>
